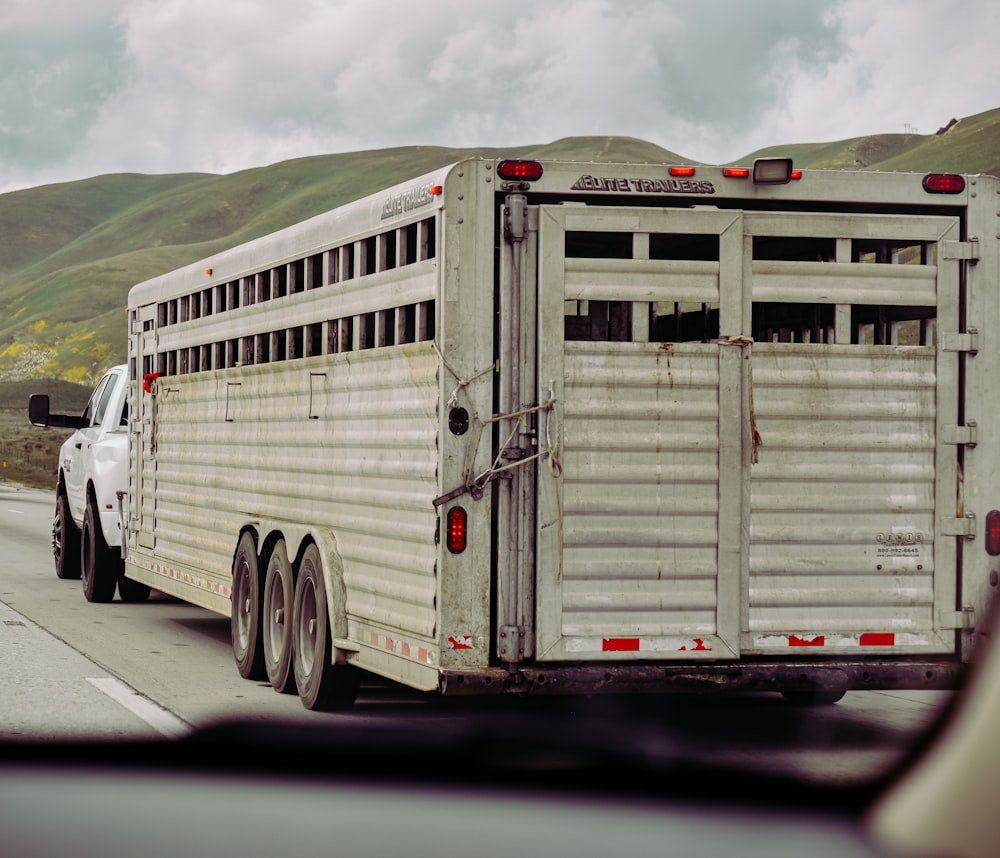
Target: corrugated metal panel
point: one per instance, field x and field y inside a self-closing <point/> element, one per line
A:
<point x="370" y="481"/>
<point x="842" y="498"/>
<point x="640" y="497"/>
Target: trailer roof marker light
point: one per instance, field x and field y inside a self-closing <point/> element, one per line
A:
<point x="772" y="171"/>
<point x="524" y="171"/>
<point x="457" y="530"/>
<point x="944" y="183"/>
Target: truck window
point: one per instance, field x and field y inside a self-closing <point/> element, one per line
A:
<point x="103" y="398"/>
<point x="94" y="401"/>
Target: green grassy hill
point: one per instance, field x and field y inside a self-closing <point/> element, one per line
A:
<point x="70" y="252"/>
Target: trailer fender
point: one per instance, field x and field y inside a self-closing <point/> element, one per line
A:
<point x="336" y="591"/>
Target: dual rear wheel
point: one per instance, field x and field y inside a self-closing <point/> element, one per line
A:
<point x="281" y="626"/>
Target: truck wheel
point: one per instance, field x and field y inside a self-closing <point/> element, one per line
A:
<point x="277" y="617"/>
<point x="100" y="566"/>
<point x="245" y="617"/>
<point x="321" y="684"/>
<point x="132" y="591"/>
<point x="65" y="540"/>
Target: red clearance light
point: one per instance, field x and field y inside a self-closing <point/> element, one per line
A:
<point x="682" y="171"/>
<point x="457" y="523"/>
<point x="525" y="171"/>
<point x="796" y="175"/>
<point x="993" y="532"/>
<point x="436" y="190"/>
<point x="736" y="172"/>
<point x="944" y="183"/>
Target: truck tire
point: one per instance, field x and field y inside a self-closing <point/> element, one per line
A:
<point x="65" y="540"/>
<point x="279" y="594"/>
<point x="245" y="618"/>
<point x="99" y="565"/>
<point x="132" y="591"/>
<point x="321" y="684"/>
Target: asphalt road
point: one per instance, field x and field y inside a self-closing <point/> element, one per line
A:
<point x="73" y="669"/>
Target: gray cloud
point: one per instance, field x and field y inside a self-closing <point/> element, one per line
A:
<point x="53" y="82"/>
<point x="193" y="85"/>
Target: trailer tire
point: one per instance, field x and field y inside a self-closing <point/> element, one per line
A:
<point x="279" y="596"/>
<point x="65" y="540"/>
<point x="99" y="565"/>
<point x="245" y="616"/>
<point x="322" y="685"/>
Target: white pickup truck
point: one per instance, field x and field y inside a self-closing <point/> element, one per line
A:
<point x="91" y="490"/>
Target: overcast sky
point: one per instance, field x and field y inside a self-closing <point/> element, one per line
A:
<point x="164" y="86"/>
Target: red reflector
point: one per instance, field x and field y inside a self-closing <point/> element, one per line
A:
<point x="457" y="524"/>
<point x="795" y="640"/>
<point x="796" y="174"/>
<point x="620" y="645"/>
<point x="944" y="183"/>
<point x="878" y="639"/>
<point x="682" y="171"/>
<point x="993" y="532"/>
<point x="526" y="171"/>
<point x="736" y="172"/>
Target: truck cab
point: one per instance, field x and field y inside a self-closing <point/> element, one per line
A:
<point x="91" y="487"/>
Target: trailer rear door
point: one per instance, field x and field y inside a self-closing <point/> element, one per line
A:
<point x="754" y="442"/>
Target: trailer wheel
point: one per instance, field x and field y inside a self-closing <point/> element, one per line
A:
<point x="248" y="647"/>
<point x="100" y="566"/>
<point x="65" y="540"/>
<point x="321" y="684"/>
<point x="132" y="591"/>
<point x="279" y="591"/>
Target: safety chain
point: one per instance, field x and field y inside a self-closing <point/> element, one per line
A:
<point x="756" y="441"/>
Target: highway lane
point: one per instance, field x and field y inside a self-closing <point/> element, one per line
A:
<point x="164" y="666"/>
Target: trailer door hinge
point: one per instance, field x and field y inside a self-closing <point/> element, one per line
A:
<point x="961" y="619"/>
<point x="961" y="249"/>
<point x="511" y="644"/>
<point x="965" y="526"/>
<point x="956" y="342"/>
<point x="960" y="435"/>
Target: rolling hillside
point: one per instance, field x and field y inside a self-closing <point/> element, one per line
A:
<point x="70" y="252"/>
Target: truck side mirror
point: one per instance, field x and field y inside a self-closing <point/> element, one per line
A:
<point x="38" y="409"/>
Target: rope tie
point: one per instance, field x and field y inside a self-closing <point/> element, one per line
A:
<point x="756" y="442"/>
<point x="462" y="382"/>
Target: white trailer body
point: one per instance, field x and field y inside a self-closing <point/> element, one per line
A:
<point x="606" y="428"/>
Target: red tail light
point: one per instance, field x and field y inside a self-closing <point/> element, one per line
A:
<point x="944" y="183"/>
<point x="993" y="532"/>
<point x="525" y="171"/>
<point x="457" y="524"/>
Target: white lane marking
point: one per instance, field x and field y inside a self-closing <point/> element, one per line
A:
<point x="158" y="718"/>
